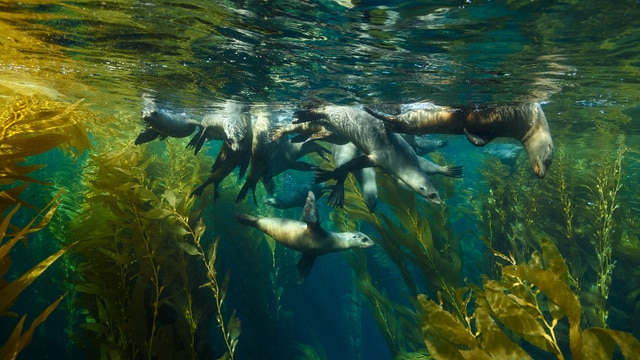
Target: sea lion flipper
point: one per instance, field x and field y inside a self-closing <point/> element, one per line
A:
<point x="246" y="219"/>
<point x="454" y="171"/>
<point x="304" y="266"/>
<point x="477" y="140"/>
<point x="146" y="135"/>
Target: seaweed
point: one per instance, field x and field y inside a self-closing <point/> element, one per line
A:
<point x="531" y="303"/>
<point x="140" y="263"/>
<point x="30" y="126"/>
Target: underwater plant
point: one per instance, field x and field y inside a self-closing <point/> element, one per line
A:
<point x="531" y="303"/>
<point x="141" y="265"/>
<point x="30" y="125"/>
<point x="420" y="243"/>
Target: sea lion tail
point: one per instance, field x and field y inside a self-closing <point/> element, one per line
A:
<point x="246" y="219"/>
<point x="454" y="171"/>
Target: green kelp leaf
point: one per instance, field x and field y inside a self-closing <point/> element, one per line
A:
<point x="164" y="343"/>
<point x="171" y="198"/>
<point x="441" y="323"/>
<point x="155" y="214"/>
<point x="234" y="329"/>
<point x="599" y="343"/>
<point x="493" y="340"/>
<point x="188" y="248"/>
<point x="5" y="264"/>
<point x="511" y="314"/>
<point x="199" y="230"/>
<point x="178" y="229"/>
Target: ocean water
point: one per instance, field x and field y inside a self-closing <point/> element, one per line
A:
<point x="137" y="286"/>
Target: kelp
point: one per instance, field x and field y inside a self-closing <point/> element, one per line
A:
<point x="143" y="278"/>
<point x="30" y="125"/>
<point x="531" y="303"/>
<point x="415" y="236"/>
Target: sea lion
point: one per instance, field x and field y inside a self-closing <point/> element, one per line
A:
<point x="306" y="236"/>
<point x="230" y="123"/>
<point x="226" y="161"/>
<point x="295" y="197"/>
<point x="525" y="123"/>
<point x="366" y="177"/>
<point x="388" y="151"/>
<point x="262" y="149"/>
<point x="431" y="168"/>
<point x="164" y="123"/>
<point x="286" y="156"/>
<point x="424" y="144"/>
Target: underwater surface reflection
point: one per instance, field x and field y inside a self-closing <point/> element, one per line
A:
<point x="116" y="244"/>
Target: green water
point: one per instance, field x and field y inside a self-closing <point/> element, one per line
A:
<point x="581" y="59"/>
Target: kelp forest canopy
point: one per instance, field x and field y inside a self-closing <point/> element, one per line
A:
<point x="114" y="250"/>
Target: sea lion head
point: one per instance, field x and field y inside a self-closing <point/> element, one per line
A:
<point x="538" y="142"/>
<point x="356" y="240"/>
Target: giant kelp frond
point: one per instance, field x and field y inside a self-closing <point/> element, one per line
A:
<point x="10" y="291"/>
<point x="415" y="236"/>
<point x="32" y="125"/>
<point x="528" y="303"/>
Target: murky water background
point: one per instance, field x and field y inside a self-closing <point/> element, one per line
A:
<point x="580" y="58"/>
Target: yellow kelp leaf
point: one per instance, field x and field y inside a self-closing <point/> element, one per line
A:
<point x="234" y="329"/>
<point x="511" y="314"/>
<point x="11" y="291"/>
<point x="13" y="346"/>
<point x="199" y="230"/>
<point x="556" y="291"/>
<point x="493" y="340"/>
<point x="178" y="229"/>
<point x="18" y="148"/>
<point x="442" y="323"/>
<point x="599" y="343"/>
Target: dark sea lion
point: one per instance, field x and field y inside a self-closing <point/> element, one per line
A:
<point x="388" y="151"/>
<point x="262" y="149"/>
<point x="424" y="144"/>
<point x="286" y="156"/>
<point x="295" y="196"/>
<point x="306" y="236"/>
<point x="226" y="161"/>
<point x="164" y="123"/>
<point x="525" y="123"/>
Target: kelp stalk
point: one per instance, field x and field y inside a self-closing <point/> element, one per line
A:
<point x="608" y="184"/>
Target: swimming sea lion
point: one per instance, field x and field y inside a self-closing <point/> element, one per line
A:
<point x="231" y="123"/>
<point x="163" y="123"/>
<point x="525" y="123"/>
<point x="295" y="197"/>
<point x="262" y="149"/>
<point x="366" y="177"/>
<point x="226" y="161"/>
<point x="431" y="168"/>
<point x="306" y="236"/>
<point x="388" y="151"/>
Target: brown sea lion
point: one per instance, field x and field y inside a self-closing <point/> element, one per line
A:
<point x="525" y="123"/>
<point x="306" y="236"/>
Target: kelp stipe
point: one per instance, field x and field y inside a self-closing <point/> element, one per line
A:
<point x="528" y="303"/>
<point x="606" y="188"/>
